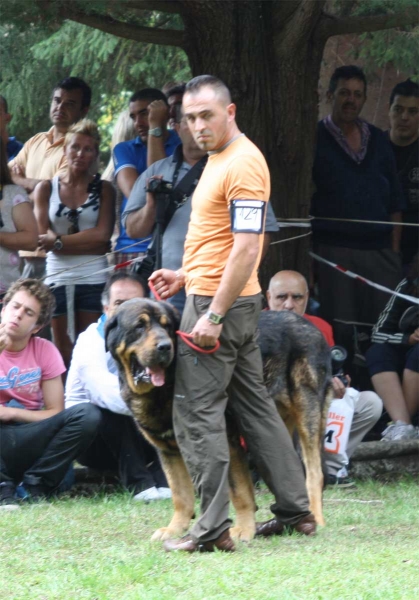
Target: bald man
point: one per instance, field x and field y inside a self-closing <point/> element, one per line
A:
<point x="288" y="290"/>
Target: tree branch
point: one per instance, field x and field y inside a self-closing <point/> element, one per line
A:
<point x="147" y="35"/>
<point x="166" y="6"/>
<point x="332" y="25"/>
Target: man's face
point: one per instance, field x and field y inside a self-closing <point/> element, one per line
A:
<point x="20" y="316"/>
<point x="208" y="118"/>
<point x="4" y="119"/>
<point x="121" y="291"/>
<point x="190" y="147"/>
<point x="175" y="102"/>
<point x="138" y="112"/>
<point x="66" y="108"/>
<point x="347" y="100"/>
<point x="288" y="293"/>
<point x="404" y="119"/>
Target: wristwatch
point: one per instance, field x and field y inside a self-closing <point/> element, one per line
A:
<point x="156" y="132"/>
<point x="214" y="318"/>
<point x="58" y="244"/>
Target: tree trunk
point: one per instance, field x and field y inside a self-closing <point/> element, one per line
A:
<point x="269" y="56"/>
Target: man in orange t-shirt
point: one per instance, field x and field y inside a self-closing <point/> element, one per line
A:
<point x="222" y="253"/>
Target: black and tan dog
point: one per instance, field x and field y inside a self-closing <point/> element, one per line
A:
<point x="141" y="337"/>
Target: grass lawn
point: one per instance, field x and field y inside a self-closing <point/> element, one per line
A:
<point x="99" y="549"/>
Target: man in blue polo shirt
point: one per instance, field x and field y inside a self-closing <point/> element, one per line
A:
<point x="13" y="147"/>
<point x="149" y="112"/>
<point x="356" y="180"/>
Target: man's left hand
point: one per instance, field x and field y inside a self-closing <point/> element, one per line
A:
<point x="205" y="334"/>
<point x="7" y="414"/>
<point x="339" y="389"/>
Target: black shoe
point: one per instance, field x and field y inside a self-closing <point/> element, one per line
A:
<point x="33" y="492"/>
<point x="8" y="499"/>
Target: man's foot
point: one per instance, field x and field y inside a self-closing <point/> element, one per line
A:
<point x="165" y="493"/>
<point x="8" y="499"/>
<point x="398" y="431"/>
<point x="148" y="495"/>
<point x="341" y="482"/>
<point x="305" y="526"/>
<point x="341" y="479"/>
<point x="187" y="544"/>
<point x="32" y="493"/>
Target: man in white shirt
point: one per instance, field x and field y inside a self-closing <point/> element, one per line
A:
<point x="119" y="446"/>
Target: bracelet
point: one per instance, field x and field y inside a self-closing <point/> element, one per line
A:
<point x="180" y="279"/>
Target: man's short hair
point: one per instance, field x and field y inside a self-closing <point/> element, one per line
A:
<point x="347" y="72"/>
<point x="38" y="290"/>
<point x="148" y="94"/>
<point x="75" y="83"/>
<point x="197" y="83"/>
<point x="122" y="275"/>
<point x="4" y="102"/>
<point x="404" y="88"/>
<point x="176" y="90"/>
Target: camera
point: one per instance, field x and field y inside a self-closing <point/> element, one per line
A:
<point x="339" y="355"/>
<point x="159" y="186"/>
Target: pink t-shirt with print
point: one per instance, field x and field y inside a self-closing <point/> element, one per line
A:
<point x="22" y="373"/>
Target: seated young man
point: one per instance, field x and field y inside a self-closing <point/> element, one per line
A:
<point x="93" y="377"/>
<point x="38" y="438"/>
<point x="288" y="290"/>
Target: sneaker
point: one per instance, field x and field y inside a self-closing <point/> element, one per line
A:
<point x="398" y="431"/>
<point x="32" y="493"/>
<point x="164" y="493"/>
<point x="341" y="482"/>
<point x="8" y="499"/>
<point x="148" y="495"/>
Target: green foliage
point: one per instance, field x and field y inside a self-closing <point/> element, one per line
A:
<point x="397" y="46"/>
<point x="35" y="57"/>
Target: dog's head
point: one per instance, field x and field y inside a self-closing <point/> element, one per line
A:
<point x="141" y="338"/>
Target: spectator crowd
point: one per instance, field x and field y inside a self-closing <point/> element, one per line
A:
<point x="179" y="167"/>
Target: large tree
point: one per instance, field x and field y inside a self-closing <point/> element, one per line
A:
<point x="269" y="53"/>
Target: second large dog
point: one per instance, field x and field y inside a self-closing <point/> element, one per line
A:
<point x="141" y="337"/>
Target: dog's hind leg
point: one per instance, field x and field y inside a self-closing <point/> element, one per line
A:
<point x="183" y="496"/>
<point x="241" y="494"/>
<point x="309" y="421"/>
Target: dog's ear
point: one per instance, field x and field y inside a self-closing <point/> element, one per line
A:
<point x="173" y="314"/>
<point x="111" y="333"/>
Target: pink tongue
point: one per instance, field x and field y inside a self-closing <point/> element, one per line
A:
<point x="157" y="376"/>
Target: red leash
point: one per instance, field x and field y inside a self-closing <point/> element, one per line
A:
<point x="185" y="337"/>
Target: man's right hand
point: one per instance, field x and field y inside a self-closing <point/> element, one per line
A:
<point x="3" y="337"/>
<point x="414" y="337"/>
<point x="166" y="283"/>
<point x="158" y="114"/>
<point x="18" y="170"/>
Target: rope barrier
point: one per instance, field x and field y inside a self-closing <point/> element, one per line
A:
<point x="363" y="279"/>
<point x="291" y="239"/>
<point x="297" y="222"/>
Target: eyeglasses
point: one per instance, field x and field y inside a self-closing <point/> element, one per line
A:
<point x="73" y="216"/>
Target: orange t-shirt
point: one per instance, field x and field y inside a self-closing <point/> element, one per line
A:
<point x="239" y="172"/>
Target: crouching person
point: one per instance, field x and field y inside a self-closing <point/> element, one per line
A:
<point x="119" y="446"/>
<point x="38" y="438"/>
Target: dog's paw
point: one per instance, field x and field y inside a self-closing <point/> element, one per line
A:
<point x="243" y="533"/>
<point x="165" y="533"/>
